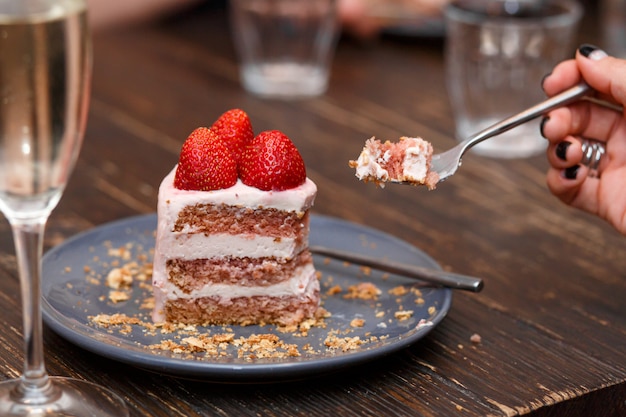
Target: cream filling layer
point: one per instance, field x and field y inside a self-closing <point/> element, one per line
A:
<point x="415" y="164"/>
<point x="224" y="245"/>
<point x="302" y="283"/>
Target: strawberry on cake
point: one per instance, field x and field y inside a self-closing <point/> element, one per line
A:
<point x="233" y="228"/>
<point x="408" y="160"/>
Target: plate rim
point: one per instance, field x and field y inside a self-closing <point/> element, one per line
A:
<point x="229" y="372"/>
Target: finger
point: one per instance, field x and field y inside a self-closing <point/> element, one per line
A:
<point x="613" y="190"/>
<point x="595" y="121"/>
<point x="573" y="187"/>
<point x="602" y="72"/>
<point x="563" y="76"/>
<point x="564" y="183"/>
<point x="556" y="126"/>
<point x="592" y="121"/>
<point x="564" y="154"/>
<point x="571" y="152"/>
<point x="583" y="118"/>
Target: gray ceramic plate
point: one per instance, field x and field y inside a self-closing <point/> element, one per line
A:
<point x="73" y="292"/>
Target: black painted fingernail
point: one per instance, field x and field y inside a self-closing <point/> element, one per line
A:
<point x="586" y="49"/>
<point x="592" y="52"/>
<point x="561" y="150"/>
<point x="571" y="172"/>
<point x="542" y="124"/>
<point x="544" y="78"/>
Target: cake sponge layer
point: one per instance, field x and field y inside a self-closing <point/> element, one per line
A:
<point x="260" y="309"/>
<point x="221" y="218"/>
<point x="246" y="272"/>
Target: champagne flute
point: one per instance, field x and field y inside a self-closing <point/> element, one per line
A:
<point x="45" y="71"/>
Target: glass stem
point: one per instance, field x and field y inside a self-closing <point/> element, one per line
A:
<point x="28" y="236"/>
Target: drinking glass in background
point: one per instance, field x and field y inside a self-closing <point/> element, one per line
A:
<point x="45" y="68"/>
<point x="497" y="53"/>
<point x="285" y="47"/>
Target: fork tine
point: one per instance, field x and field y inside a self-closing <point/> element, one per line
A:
<point x="446" y="163"/>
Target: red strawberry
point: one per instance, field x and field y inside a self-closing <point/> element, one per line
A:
<point x="205" y="163"/>
<point x="235" y="130"/>
<point x="272" y="162"/>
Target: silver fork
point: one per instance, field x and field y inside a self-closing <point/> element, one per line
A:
<point x="430" y="275"/>
<point x="446" y="163"/>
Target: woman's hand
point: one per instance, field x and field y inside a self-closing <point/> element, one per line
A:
<point x="604" y="194"/>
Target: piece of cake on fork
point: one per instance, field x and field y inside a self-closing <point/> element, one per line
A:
<point x="407" y="161"/>
<point x="233" y="229"/>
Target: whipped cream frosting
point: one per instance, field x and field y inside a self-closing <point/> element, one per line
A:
<point x="172" y="200"/>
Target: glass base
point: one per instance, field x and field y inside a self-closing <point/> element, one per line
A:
<point x="62" y="397"/>
<point x="285" y="80"/>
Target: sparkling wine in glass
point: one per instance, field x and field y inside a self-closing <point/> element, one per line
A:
<point x="45" y="70"/>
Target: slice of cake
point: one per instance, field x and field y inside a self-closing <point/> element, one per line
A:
<point x="408" y="160"/>
<point x="232" y="234"/>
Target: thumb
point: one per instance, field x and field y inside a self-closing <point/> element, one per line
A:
<point x="604" y="73"/>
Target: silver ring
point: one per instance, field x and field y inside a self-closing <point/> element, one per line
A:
<point x="592" y="155"/>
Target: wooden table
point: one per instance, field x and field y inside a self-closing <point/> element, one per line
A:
<point x="552" y="316"/>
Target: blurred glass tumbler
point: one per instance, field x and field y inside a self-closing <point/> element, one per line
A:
<point x="285" y="46"/>
<point x="497" y="53"/>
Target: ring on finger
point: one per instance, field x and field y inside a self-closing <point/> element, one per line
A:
<point x="593" y="151"/>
